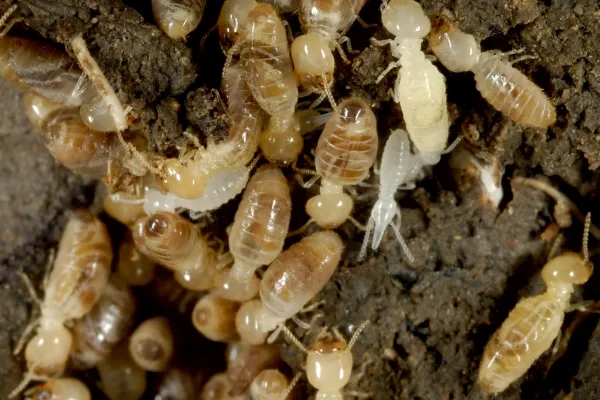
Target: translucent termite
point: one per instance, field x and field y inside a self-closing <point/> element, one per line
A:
<point x="535" y="322"/>
<point x="177" y="244"/>
<point x="324" y="23"/>
<point x="175" y="384"/>
<point x="59" y="389"/>
<point x="80" y="273"/>
<point x="98" y="332"/>
<point x="75" y="146"/>
<point x="399" y="168"/>
<point x="270" y="384"/>
<point x="245" y="362"/>
<point x="345" y="152"/>
<point x="420" y="88"/>
<point x="232" y="20"/>
<point x="124" y="207"/>
<point x="503" y="86"/>
<point x="329" y="362"/>
<point x="247" y="323"/>
<point x="178" y="18"/>
<point x="214" y="317"/>
<point x="38" y="109"/>
<point x="258" y="233"/>
<point x="120" y="377"/>
<point x="133" y="266"/>
<point x="296" y="276"/>
<point x="151" y="344"/>
<point x="218" y="387"/>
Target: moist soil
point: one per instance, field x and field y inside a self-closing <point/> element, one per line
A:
<point x="430" y="319"/>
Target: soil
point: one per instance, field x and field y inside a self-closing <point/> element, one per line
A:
<point x="430" y="319"/>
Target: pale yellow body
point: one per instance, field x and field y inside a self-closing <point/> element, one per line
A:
<point x="214" y="317"/>
<point x="120" y="377"/>
<point x="151" y="344"/>
<point x="178" y="18"/>
<point x="133" y="266"/>
<point x="60" y="389"/>
<point x="270" y="384"/>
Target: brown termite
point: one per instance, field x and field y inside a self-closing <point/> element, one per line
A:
<point x="98" y="332"/>
<point x="503" y="86"/>
<point x="151" y="344"/>
<point x="177" y="244"/>
<point x="535" y="322"/>
<point x="80" y="273"/>
<point x="258" y="233"/>
<point x="120" y="377"/>
<point x="178" y="18"/>
<point x="245" y="362"/>
<point x="59" y="389"/>
<point x="135" y="268"/>
<point x="214" y="317"/>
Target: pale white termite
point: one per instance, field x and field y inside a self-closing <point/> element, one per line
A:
<point x="420" y="88"/>
<point x="329" y="362"/>
<point x="258" y="233"/>
<point x="151" y="344"/>
<point x="80" y="273"/>
<point x="270" y="384"/>
<point x="120" y="377"/>
<point x="178" y="18"/>
<point x="535" y="322"/>
<point x="503" y="86"/>
<point x="59" y="389"/>
<point x="398" y="170"/>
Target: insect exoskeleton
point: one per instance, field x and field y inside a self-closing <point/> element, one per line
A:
<point x="38" y="109"/>
<point x="345" y="152"/>
<point x="270" y="384"/>
<point x="398" y="170"/>
<point x="178" y="18"/>
<point x="151" y="344"/>
<point x="420" y="88"/>
<point x="120" y="377"/>
<point x="177" y="244"/>
<point x="124" y="207"/>
<point x="232" y="20"/>
<point x="59" y="389"/>
<point x="258" y="234"/>
<point x="80" y="273"/>
<point x="218" y="387"/>
<point x="214" y="317"/>
<point x="323" y="23"/>
<point x="503" y="86"/>
<point x="245" y="362"/>
<point x="296" y="276"/>
<point x="247" y="323"/>
<point x="135" y="268"/>
<point x="6" y="71"/>
<point x="265" y="57"/>
<point x="108" y="323"/>
<point x="534" y="323"/>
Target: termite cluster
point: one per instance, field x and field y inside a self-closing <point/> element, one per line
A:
<point x="246" y="289"/>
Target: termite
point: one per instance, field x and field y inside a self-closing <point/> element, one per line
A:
<point x="151" y="344"/>
<point x="214" y="317"/>
<point x="419" y="88"/>
<point x="60" y="389"/>
<point x="133" y="266"/>
<point x="324" y="24"/>
<point x="503" y="86"/>
<point x="399" y="168"/>
<point x="270" y="384"/>
<point x="108" y="323"/>
<point x="178" y="18"/>
<point x="258" y="233"/>
<point x="218" y="387"/>
<point x="175" y="384"/>
<point x="38" y="109"/>
<point x="535" y="322"/>
<point x="232" y="20"/>
<point x="120" y="377"/>
<point x="245" y="362"/>
<point x="80" y="273"/>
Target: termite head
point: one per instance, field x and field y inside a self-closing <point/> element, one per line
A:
<point x="329" y="363"/>
<point x="63" y="388"/>
<point x="382" y="214"/>
<point x="405" y="19"/>
<point x="313" y="60"/>
<point x="48" y="352"/>
<point x="456" y="50"/>
<point x="330" y="210"/>
<point x="567" y="269"/>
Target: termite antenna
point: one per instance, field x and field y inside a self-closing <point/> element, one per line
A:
<point x="357" y="334"/>
<point x="229" y="59"/>
<point x="291" y="386"/>
<point x="327" y="90"/>
<point x="5" y="18"/>
<point x="586" y="236"/>
<point x="293" y="338"/>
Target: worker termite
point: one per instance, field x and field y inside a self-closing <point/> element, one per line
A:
<point x="329" y="362"/>
<point x="218" y="387"/>
<point x="177" y="244"/>
<point x="133" y="266"/>
<point x="345" y="152"/>
<point x="124" y="207"/>
<point x="214" y="317"/>
<point x="120" y="377"/>
<point x="399" y="168"/>
<point x="503" y="86"/>
<point x="232" y="20"/>
<point x="419" y="88"/>
<point x="59" y="389"/>
<point x="151" y="344"/>
<point x="258" y="233"/>
<point x="270" y="384"/>
<point x="324" y="22"/>
<point x="178" y="18"/>
<point x="535" y="322"/>
<point x="245" y="362"/>
<point x="80" y="273"/>
<point x="98" y="332"/>
<point x="247" y="323"/>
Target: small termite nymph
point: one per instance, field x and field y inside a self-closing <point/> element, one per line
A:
<point x="503" y="86"/>
<point x="399" y="168"/>
<point x="59" y="389"/>
<point x="258" y="233"/>
<point x="535" y="322"/>
<point x="270" y="384"/>
<point x="151" y="344"/>
<point x="135" y="268"/>
<point x="329" y="362"/>
<point x="80" y="273"/>
<point x="420" y="88"/>
<point x="120" y="377"/>
<point x="178" y="18"/>
<point x="214" y="317"/>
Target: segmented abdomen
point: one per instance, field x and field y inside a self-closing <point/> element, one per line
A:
<point x="394" y="163"/>
<point x="512" y="93"/>
<point x="262" y="219"/>
<point x="528" y="331"/>
<point x="348" y="144"/>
